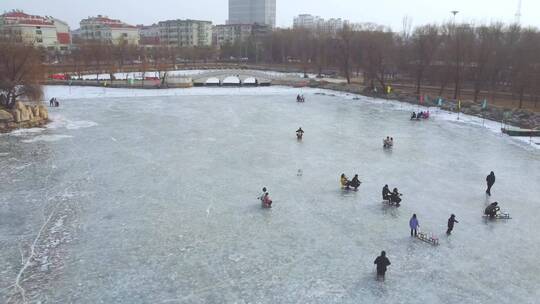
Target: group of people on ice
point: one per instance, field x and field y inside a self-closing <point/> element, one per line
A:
<point x="300" y="98"/>
<point x="53" y="102"/>
<point x="420" y="115"/>
<point x="391" y="196"/>
<point x="388" y="142"/>
<point x="347" y="185"/>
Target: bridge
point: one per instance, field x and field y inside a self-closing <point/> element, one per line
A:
<point x="235" y="77"/>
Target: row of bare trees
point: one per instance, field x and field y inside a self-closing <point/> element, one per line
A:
<point x="482" y="59"/>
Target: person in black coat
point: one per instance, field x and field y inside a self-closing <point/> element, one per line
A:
<point x="490" y="179"/>
<point x="386" y="193"/>
<point x="492" y="209"/>
<point x="382" y="262"/>
<point x="451" y="222"/>
<point x="395" y="197"/>
<point x="355" y="182"/>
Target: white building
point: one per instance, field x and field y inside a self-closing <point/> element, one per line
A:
<point x="47" y="32"/>
<point x="332" y="25"/>
<point x="308" y="22"/>
<point x="185" y="33"/>
<point x="252" y="11"/>
<point x="103" y="29"/>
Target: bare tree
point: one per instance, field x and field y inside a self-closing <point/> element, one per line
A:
<point x="425" y="42"/>
<point x="21" y="72"/>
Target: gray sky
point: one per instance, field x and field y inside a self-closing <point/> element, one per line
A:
<point x="385" y="12"/>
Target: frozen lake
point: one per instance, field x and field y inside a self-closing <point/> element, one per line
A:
<point x="150" y="197"/>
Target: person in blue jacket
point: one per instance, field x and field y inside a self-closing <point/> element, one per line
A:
<point x="414" y="224"/>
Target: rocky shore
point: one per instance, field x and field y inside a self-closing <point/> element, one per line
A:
<point x="23" y="116"/>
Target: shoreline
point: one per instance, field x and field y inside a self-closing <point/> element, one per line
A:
<point x="353" y="92"/>
<point x="514" y="117"/>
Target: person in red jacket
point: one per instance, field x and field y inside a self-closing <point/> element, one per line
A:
<point x="267" y="202"/>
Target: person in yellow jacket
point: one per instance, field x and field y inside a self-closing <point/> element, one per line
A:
<point x="344" y="181"/>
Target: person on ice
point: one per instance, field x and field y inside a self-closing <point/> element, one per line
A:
<point x="344" y="181"/>
<point x="395" y="196"/>
<point x="267" y="201"/>
<point x="387" y="143"/>
<point x="490" y="179"/>
<point x="492" y="210"/>
<point x="355" y="182"/>
<point x="413" y="116"/>
<point x="261" y="196"/>
<point x="382" y="263"/>
<point x="414" y="224"/>
<point x="299" y="133"/>
<point x="386" y="194"/>
<point x="451" y="222"/>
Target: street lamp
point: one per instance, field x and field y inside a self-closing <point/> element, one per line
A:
<point x="454" y="13"/>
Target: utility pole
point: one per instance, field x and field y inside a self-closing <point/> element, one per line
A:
<point x="457" y="78"/>
<point x="518" y="13"/>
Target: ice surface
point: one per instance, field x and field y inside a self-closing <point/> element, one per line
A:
<point x="153" y="200"/>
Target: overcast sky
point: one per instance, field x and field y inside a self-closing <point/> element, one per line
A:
<point x="385" y="12"/>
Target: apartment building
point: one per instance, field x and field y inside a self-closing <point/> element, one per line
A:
<point x="231" y="33"/>
<point x="104" y="29"/>
<point x="47" y="32"/>
<point x="185" y="33"/>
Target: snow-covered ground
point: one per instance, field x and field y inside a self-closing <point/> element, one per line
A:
<point x="149" y="196"/>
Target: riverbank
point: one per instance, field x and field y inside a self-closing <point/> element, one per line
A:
<point x="520" y="118"/>
<point x="23" y="116"/>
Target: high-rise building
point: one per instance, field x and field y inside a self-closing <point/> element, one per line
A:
<point x="185" y="33"/>
<point x="252" y="11"/>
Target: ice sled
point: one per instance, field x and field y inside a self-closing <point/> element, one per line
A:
<point x="499" y="216"/>
<point x="390" y="203"/>
<point x="428" y="238"/>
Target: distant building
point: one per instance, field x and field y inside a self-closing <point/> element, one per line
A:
<point x="104" y="29"/>
<point x="252" y="11"/>
<point x="232" y="33"/>
<point x="332" y="25"/>
<point x="47" y="32"/>
<point x="185" y="33"/>
<point x="149" y="35"/>
<point x="308" y="22"/>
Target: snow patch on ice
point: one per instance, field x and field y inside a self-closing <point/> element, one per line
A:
<point x="46" y="138"/>
<point x="26" y="132"/>
<point x="59" y="121"/>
